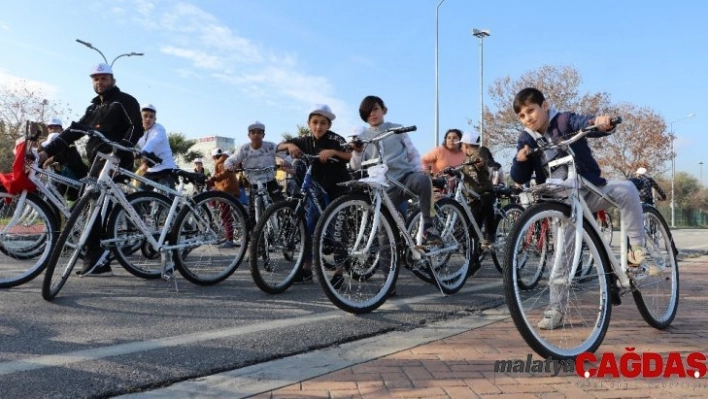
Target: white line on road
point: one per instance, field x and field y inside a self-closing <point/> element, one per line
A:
<point x="86" y="355"/>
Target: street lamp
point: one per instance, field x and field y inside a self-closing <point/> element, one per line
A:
<point x="673" y="166"/>
<point x="701" y="175"/>
<point x="437" y="97"/>
<point x="89" y="45"/>
<point x="481" y="34"/>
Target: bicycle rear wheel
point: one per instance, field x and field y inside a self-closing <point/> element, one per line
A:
<point x="69" y="246"/>
<point x="561" y="317"/>
<point x="504" y="224"/>
<point x="449" y="268"/>
<point x="354" y="279"/>
<point x="211" y="237"/>
<point x="128" y="244"/>
<point x="657" y="295"/>
<point x="28" y="233"/>
<point x="277" y="247"/>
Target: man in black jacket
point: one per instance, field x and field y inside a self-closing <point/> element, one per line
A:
<point x="117" y="116"/>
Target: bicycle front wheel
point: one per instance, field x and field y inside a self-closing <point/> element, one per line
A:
<point x="129" y="245"/>
<point x="69" y="246"/>
<point x="356" y="263"/>
<point x="563" y="316"/>
<point x="504" y="224"/>
<point x="211" y="238"/>
<point x="28" y="233"/>
<point x="657" y="293"/>
<point x="277" y="247"/>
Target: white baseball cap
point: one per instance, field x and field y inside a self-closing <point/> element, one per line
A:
<point x="198" y="160"/>
<point x="216" y="152"/>
<point x="324" y="110"/>
<point x="54" y="122"/>
<point x="148" y="107"/>
<point x="471" y="138"/>
<point x="49" y="139"/>
<point x="256" y="125"/>
<point x="641" y="171"/>
<point x="101" y="69"/>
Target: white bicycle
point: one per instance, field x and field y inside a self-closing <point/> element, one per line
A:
<point x="361" y="236"/>
<point x="555" y="234"/>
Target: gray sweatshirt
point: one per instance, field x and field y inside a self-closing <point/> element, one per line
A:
<point x="400" y="155"/>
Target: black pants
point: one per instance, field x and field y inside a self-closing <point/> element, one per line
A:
<point x="483" y="212"/>
<point x="93" y="243"/>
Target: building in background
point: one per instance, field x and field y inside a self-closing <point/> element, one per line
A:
<point x="205" y="145"/>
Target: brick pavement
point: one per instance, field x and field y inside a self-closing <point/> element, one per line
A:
<point x="462" y="366"/>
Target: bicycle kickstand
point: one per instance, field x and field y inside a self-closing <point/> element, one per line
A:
<point x="168" y="271"/>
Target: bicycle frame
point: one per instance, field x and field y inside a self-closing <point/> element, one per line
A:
<point x="580" y="213"/>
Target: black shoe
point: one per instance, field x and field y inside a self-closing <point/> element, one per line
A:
<point x="91" y="262"/>
<point x="303" y="276"/>
<point x="430" y="237"/>
<point x="337" y="281"/>
<point x="474" y="268"/>
<point x="101" y="271"/>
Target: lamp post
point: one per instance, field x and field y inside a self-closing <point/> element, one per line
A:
<point x="89" y="45"/>
<point x="481" y="34"/>
<point x="701" y="175"/>
<point x="673" y="167"/>
<point x="437" y="97"/>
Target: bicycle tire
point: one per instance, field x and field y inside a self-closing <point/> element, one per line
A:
<point x="27" y="245"/>
<point x="438" y="269"/>
<point x="204" y="261"/>
<point x="503" y="227"/>
<point x="347" y="217"/>
<point x="585" y="305"/>
<point x="137" y="255"/>
<point x="647" y="294"/>
<point x="283" y="231"/>
<point x="68" y="250"/>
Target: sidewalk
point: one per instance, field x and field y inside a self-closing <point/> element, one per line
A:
<point x="462" y="366"/>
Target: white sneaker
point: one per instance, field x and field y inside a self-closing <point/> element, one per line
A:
<point x="636" y="255"/>
<point x="551" y="320"/>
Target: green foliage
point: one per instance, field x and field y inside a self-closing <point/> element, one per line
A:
<point x="181" y="147"/>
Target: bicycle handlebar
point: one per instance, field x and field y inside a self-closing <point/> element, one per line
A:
<point x="151" y="156"/>
<point x="575" y="137"/>
<point x="316" y="157"/>
<point x="385" y="133"/>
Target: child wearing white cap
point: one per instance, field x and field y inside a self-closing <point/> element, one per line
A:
<point x="326" y="144"/>
<point x="257" y="154"/>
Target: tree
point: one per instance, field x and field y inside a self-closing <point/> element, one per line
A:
<point x="640" y="141"/>
<point x="21" y="102"/>
<point x="181" y="147"/>
<point x="640" y="137"/>
<point x="301" y="132"/>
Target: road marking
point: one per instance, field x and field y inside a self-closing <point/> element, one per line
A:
<point x="87" y="355"/>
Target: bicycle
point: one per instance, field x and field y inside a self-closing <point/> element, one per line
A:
<point x="284" y="229"/>
<point x="584" y="302"/>
<point x="360" y="237"/>
<point x="186" y="237"/>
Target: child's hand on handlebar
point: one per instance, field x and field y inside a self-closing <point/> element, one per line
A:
<point x="523" y="154"/>
<point x="326" y="155"/>
<point x="603" y="123"/>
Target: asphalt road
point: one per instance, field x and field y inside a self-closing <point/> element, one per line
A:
<point x="109" y="336"/>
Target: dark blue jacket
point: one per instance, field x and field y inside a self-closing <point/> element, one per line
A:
<point x="561" y="124"/>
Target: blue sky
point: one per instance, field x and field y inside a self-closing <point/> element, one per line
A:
<point x="211" y="67"/>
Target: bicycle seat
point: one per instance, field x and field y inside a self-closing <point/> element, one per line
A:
<point x="190" y="177"/>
